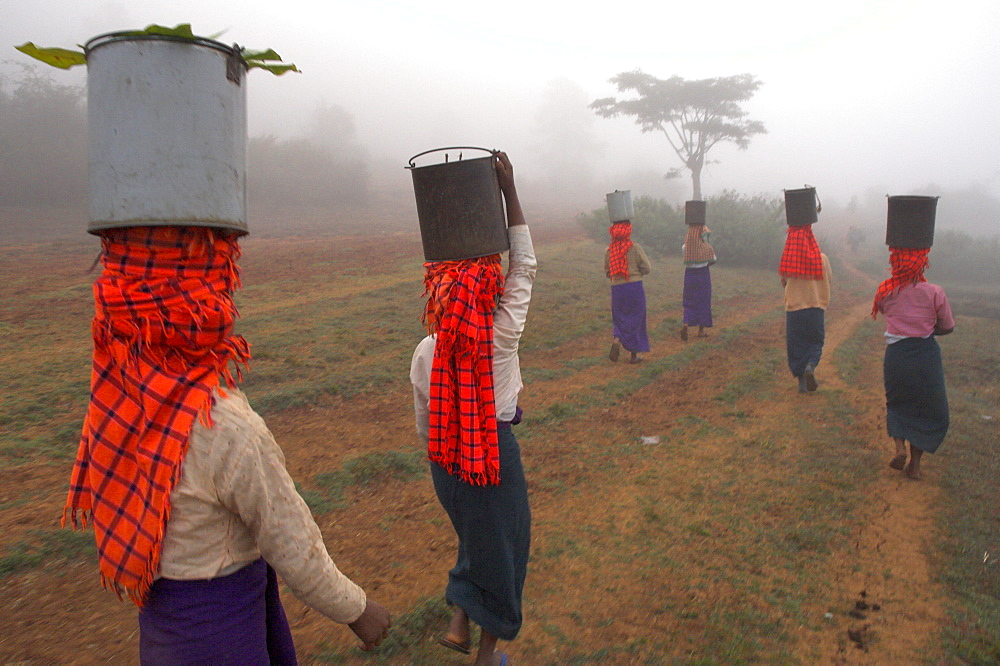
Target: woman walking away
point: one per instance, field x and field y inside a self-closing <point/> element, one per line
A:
<point x="805" y="276"/>
<point x="698" y="256"/>
<point x="625" y="263"/>
<point x="915" y="312"/>
<point x="466" y="378"/>
<point x="185" y="486"/>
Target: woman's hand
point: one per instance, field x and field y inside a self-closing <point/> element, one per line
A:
<point x="372" y="626"/>
<point x="505" y="173"/>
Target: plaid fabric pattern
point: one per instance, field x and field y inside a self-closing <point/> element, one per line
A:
<point x="462" y="436"/>
<point x="908" y="266"/>
<point x="801" y="257"/>
<point x="696" y="249"/>
<point x="621" y="242"/>
<point x="162" y="342"/>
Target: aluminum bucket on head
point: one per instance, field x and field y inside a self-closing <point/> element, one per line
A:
<point x="459" y="206"/>
<point x="694" y="212"/>
<point x="168" y="132"/>
<point x="910" y="222"/>
<point x="620" y="206"/>
<point x="802" y="206"/>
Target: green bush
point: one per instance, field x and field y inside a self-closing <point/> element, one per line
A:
<point x="747" y="230"/>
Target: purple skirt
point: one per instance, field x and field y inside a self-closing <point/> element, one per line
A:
<point x="234" y="619"/>
<point x="628" y="313"/>
<point x="698" y="297"/>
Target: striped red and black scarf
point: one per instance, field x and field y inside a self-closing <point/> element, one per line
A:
<point x="162" y="342"/>
<point x="462" y="437"/>
<point x="696" y="249"/>
<point x="621" y="242"/>
<point x="801" y="257"/>
<point x="908" y="266"/>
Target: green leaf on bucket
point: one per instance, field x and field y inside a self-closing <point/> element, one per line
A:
<point x="260" y="55"/>
<point x="179" y="30"/>
<point x="61" y="58"/>
<point x="277" y="70"/>
<point x="64" y="58"/>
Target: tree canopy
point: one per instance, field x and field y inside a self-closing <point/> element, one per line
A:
<point x="694" y="115"/>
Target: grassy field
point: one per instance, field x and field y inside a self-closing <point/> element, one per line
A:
<point x="692" y="509"/>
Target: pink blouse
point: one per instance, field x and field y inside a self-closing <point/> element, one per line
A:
<point x="915" y="311"/>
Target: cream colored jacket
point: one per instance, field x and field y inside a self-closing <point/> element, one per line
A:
<point x="235" y="502"/>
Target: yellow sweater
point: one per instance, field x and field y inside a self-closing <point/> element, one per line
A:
<point x="802" y="293"/>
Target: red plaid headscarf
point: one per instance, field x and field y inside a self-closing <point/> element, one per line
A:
<point x="908" y="266"/>
<point x="696" y="249"/>
<point x="801" y="258"/>
<point x="162" y="343"/>
<point x="621" y="242"/>
<point x="462" y="296"/>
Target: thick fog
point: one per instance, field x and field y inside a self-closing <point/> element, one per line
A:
<point x="860" y="98"/>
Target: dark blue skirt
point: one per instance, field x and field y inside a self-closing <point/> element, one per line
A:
<point x="805" y="333"/>
<point x="235" y="619"/>
<point x="493" y="524"/>
<point x="628" y="313"/>
<point x="698" y="296"/>
<point x="915" y="397"/>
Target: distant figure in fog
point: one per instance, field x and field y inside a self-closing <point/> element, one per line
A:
<point x="466" y="378"/>
<point x="698" y="257"/>
<point x="625" y="263"/>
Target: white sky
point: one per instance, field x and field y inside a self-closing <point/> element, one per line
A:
<point x="882" y="94"/>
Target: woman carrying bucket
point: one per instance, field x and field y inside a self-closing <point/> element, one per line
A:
<point x="625" y="263"/>
<point x="466" y="378"/>
<point x="698" y="257"/>
<point x="916" y="311"/>
<point x="185" y="488"/>
<point x="805" y="276"/>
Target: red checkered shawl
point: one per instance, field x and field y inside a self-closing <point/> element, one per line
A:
<point x="621" y="242"/>
<point x="801" y="258"/>
<point x="462" y="436"/>
<point x="696" y="249"/>
<point x="908" y="266"/>
<point x="162" y="343"/>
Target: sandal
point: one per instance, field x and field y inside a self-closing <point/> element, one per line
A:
<point x="898" y="462"/>
<point x="457" y="647"/>
<point x="616" y="350"/>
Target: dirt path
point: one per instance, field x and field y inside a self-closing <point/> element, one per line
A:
<point x="891" y="607"/>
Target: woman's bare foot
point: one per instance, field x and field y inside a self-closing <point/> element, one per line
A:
<point x="913" y="469"/>
<point x="899" y="460"/>
<point x="458" y="637"/>
<point x="488" y="654"/>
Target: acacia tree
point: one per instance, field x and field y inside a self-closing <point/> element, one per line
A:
<point x="694" y="115"/>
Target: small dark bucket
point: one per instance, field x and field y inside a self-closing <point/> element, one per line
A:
<point x="801" y="207"/>
<point x="910" y="222"/>
<point x="459" y="206"/>
<point x="694" y="212"/>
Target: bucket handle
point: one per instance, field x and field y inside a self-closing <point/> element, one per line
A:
<point x="819" y="204"/>
<point x="493" y="152"/>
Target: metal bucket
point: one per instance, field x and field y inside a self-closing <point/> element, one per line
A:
<point x="801" y="207"/>
<point x="620" y="206"/>
<point x="910" y="222"/>
<point x="459" y="206"/>
<point x="168" y="132"/>
<point x="694" y="212"/>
